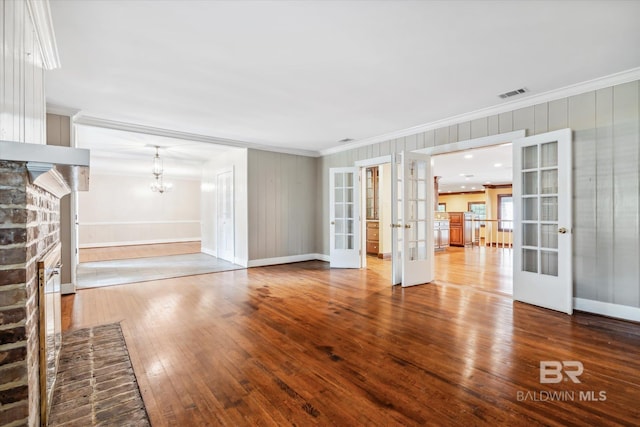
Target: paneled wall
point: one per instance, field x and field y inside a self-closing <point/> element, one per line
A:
<point x="22" y="104"/>
<point x="237" y="159"/>
<point x="282" y="205"/>
<point x="606" y="172"/>
<point x="122" y="210"/>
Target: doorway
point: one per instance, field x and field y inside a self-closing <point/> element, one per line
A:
<point x="475" y="208"/>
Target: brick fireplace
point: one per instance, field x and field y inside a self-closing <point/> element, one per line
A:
<point x="33" y="179"/>
<point x="29" y="228"/>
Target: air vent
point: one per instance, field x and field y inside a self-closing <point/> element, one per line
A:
<point x="513" y="93"/>
<point x="345" y="140"/>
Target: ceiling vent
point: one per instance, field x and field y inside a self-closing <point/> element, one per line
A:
<point x="513" y="93"/>
<point x="345" y="140"/>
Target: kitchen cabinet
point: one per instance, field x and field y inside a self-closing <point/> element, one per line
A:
<point x="461" y="233"/>
<point x="440" y="234"/>
<point x="373" y="237"/>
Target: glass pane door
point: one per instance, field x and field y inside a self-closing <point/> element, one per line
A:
<point x="542" y="210"/>
<point x="344" y="218"/>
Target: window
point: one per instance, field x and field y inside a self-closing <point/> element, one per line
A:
<point x="442" y="207"/>
<point x="478" y="208"/>
<point x="505" y="212"/>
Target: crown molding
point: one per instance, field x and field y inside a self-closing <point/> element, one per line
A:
<point x="150" y="130"/>
<point x="61" y="110"/>
<point x="43" y="25"/>
<point x="552" y="95"/>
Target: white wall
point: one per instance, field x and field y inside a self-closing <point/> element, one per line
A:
<point x="236" y="158"/>
<point x="121" y="209"/>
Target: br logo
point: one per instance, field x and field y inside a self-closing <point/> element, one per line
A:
<point x="554" y="371"/>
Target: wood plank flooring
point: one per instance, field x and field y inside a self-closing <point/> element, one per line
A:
<point x="302" y="344"/>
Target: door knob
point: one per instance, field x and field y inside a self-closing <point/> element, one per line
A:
<point x="333" y="223"/>
<point x="562" y="230"/>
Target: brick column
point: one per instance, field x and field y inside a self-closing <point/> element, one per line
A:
<point x="29" y="228"/>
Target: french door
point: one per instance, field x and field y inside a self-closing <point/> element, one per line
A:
<point x="412" y="225"/>
<point x="344" y="217"/>
<point x="542" y="241"/>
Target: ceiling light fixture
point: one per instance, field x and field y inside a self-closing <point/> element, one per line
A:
<point x="497" y="165"/>
<point x="157" y="168"/>
<point x="468" y="156"/>
<point x="159" y="186"/>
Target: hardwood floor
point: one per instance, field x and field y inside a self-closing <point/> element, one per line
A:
<point x="302" y="344"/>
<point x="138" y="251"/>
<point x="484" y="268"/>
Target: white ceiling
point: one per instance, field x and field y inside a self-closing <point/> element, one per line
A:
<point x="469" y="170"/>
<point x="306" y="74"/>
<point x="121" y="152"/>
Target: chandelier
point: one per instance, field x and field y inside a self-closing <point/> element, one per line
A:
<point x="159" y="186"/>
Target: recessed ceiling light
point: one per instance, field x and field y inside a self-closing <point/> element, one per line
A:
<point x="467" y="179"/>
<point x="462" y="174"/>
<point x="497" y="165"/>
<point x="473" y="188"/>
<point x="468" y="156"/>
<point x="487" y="182"/>
<point x="462" y="186"/>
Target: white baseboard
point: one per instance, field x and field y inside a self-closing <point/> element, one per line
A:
<point x="607" y="309"/>
<point x="208" y="251"/>
<point x="240" y="261"/>
<point x="285" y="260"/>
<point x="323" y="257"/>
<point x="67" y="288"/>
<point x="138" y="242"/>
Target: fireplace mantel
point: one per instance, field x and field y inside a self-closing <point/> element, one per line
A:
<point x="58" y="170"/>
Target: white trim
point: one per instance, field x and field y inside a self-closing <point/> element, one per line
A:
<point x="208" y="251"/>
<point x="43" y="25"/>
<point x="375" y="161"/>
<point x="618" y="311"/>
<point x="240" y="261"/>
<point x="552" y="95"/>
<point x="150" y="130"/>
<point x="138" y="242"/>
<point x="59" y="110"/>
<point x="323" y="257"/>
<point x="186" y="221"/>
<point x="485" y="141"/>
<point x="286" y="260"/>
<point x="57" y="155"/>
<point x="67" y="288"/>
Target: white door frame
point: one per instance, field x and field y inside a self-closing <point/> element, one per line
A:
<point x="469" y="144"/>
<point x="362" y="165"/>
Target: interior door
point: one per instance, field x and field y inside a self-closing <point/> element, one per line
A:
<point x="397" y="194"/>
<point x="225" y="240"/>
<point x="542" y="242"/>
<point x="417" y="219"/>
<point x="344" y="217"/>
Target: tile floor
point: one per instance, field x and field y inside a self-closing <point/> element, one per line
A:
<point x="118" y="272"/>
